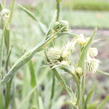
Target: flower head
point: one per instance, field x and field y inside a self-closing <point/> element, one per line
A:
<point x="4" y="14"/>
<point x="62" y="25"/>
<point x="93" y="52"/>
<point x="92" y="65"/>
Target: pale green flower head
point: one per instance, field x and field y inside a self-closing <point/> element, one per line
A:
<point x="4" y="14"/>
<point x="61" y="25"/>
<point x="93" y="52"/>
<point x="92" y="65"/>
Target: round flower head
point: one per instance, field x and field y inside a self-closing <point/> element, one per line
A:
<point x="5" y="14"/>
<point x="93" y="52"/>
<point x="62" y="25"/>
<point x="92" y="65"/>
<point x="54" y="54"/>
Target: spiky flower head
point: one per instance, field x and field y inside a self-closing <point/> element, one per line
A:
<point x="4" y="14"/>
<point x="54" y="54"/>
<point x="92" y="65"/>
<point x="68" y="48"/>
<point x="62" y="25"/>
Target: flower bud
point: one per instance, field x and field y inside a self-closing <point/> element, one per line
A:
<point x="79" y="71"/>
<point x="93" y="52"/>
<point x="4" y="14"/>
<point x="63" y="26"/>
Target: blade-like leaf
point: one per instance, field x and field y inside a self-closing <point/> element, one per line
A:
<point x="103" y="72"/>
<point x="89" y="97"/>
<point x="7" y="37"/>
<point x="84" y="51"/>
<point x="62" y="81"/>
<point x="32" y="74"/>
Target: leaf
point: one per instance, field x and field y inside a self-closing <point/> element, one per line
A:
<point x="32" y="74"/>
<point x="7" y="37"/>
<point x="84" y="51"/>
<point x="1" y="7"/>
<point x="43" y="28"/>
<point x="89" y="97"/>
<point x="103" y="72"/>
<point x="59" y="0"/>
<point x="63" y="83"/>
<point x="93" y="106"/>
<point x="104" y="102"/>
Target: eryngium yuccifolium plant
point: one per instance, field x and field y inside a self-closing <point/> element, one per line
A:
<point x="62" y="58"/>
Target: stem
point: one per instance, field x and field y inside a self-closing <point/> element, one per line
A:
<point x="52" y="91"/>
<point x="58" y="10"/>
<point x="6" y="35"/>
<point x="80" y="93"/>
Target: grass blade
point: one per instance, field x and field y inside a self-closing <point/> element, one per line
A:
<point x="32" y="73"/>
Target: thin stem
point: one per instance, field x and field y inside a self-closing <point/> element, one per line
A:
<point x="52" y="90"/>
<point x="58" y="10"/>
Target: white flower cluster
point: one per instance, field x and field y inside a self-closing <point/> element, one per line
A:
<point x="61" y="56"/>
<point x="92" y="63"/>
<point x="4" y="14"/>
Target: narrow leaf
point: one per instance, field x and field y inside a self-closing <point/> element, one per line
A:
<point x="32" y="74"/>
<point x="85" y="49"/>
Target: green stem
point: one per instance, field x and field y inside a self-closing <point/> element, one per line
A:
<point x="80" y="93"/>
<point x="52" y="91"/>
<point x="58" y="10"/>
